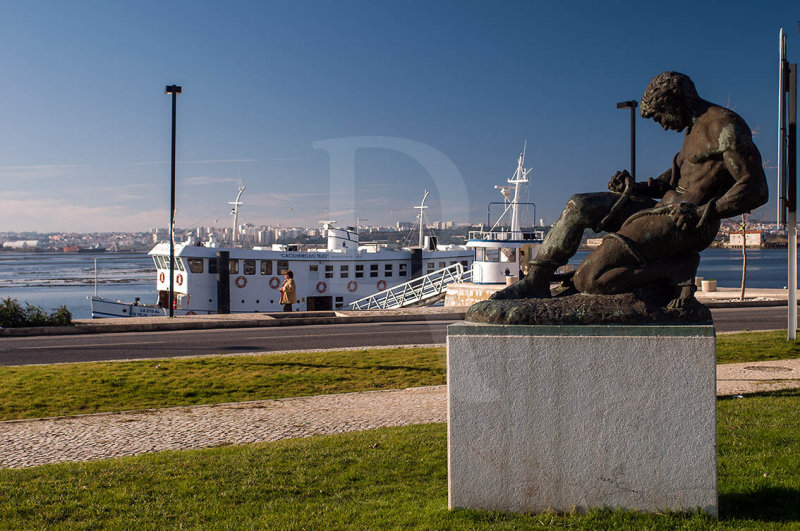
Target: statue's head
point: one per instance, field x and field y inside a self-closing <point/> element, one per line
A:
<point x="669" y="100"/>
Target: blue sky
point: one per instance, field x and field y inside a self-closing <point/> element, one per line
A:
<point x="425" y="94"/>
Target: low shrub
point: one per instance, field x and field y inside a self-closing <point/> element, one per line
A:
<point x="13" y="315"/>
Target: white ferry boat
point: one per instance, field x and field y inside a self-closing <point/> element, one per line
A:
<point x="326" y="278"/>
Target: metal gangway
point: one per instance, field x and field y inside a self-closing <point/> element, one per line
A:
<point x="415" y="291"/>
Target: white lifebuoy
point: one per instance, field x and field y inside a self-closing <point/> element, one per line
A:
<point x="381" y="285"/>
<point x="161" y="277"/>
<point x="274" y="282"/>
<point x="321" y="286"/>
<point x="352" y="286"/>
<point x="241" y="281"/>
<point x="179" y="279"/>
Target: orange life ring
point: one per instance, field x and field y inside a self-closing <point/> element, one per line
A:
<point x="321" y="286"/>
<point x="381" y="285"/>
<point x="179" y="279"/>
<point x="241" y="281"/>
<point x="161" y="277"/>
<point x="352" y="286"/>
<point x="274" y="282"/>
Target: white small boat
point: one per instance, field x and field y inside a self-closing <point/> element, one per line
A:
<point x="502" y="255"/>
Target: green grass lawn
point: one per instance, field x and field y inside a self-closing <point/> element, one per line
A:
<point x="756" y="346"/>
<point x="388" y="478"/>
<point x="69" y="389"/>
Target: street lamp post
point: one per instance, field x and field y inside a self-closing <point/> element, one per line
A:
<point x="174" y="90"/>
<point x="632" y="106"/>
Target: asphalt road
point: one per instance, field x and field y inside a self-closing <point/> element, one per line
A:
<point x="99" y="347"/>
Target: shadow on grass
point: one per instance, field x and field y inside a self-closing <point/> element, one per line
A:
<point x="766" y="504"/>
<point x="781" y="393"/>
<point x="297" y="364"/>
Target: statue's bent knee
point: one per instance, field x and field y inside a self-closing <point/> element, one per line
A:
<point x="576" y="206"/>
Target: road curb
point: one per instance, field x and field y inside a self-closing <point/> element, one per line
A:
<point x="263" y="320"/>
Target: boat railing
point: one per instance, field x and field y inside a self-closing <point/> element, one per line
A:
<point x="497" y="235"/>
<point x="414" y="291"/>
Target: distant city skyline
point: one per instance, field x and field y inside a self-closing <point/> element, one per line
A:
<point x="382" y="99"/>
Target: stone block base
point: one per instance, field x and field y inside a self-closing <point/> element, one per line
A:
<point x="576" y="417"/>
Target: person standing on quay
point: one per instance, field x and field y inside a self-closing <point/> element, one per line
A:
<point x="288" y="291"/>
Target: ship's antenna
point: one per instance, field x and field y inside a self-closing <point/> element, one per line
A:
<point x="421" y="208"/>
<point x="235" y="213"/>
<point x="520" y="177"/>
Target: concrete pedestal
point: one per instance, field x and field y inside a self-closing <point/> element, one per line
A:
<point x="577" y="417"/>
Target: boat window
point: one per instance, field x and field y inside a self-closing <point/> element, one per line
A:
<point x="403" y="270"/>
<point x="387" y="270"/>
<point x="430" y="267"/>
<point x="233" y="267"/>
<point x="442" y="265"/>
<point x="453" y="262"/>
<point x="492" y="255"/>
<point x="157" y="262"/>
<point x="480" y="254"/>
<point x="313" y="267"/>
<point x="509" y="254"/>
<point x="283" y="266"/>
<point x="212" y="266"/>
<point x="266" y="267"/>
<point x="179" y="264"/>
<point x="195" y="265"/>
<point x="344" y="271"/>
<point x="249" y="267"/>
<point x="373" y="270"/>
<point x="328" y="271"/>
<point x="359" y="270"/>
<point x="339" y="302"/>
<point x="464" y="263"/>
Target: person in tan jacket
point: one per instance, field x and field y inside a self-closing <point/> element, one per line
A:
<point x="288" y="291"/>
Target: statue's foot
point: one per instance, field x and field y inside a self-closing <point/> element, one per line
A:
<point x="529" y="287"/>
<point x="686" y="297"/>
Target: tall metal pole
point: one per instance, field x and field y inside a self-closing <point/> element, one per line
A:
<point x="791" y="174"/>
<point x="632" y="106"/>
<point x="787" y="173"/>
<point x="633" y="139"/>
<point x="174" y="90"/>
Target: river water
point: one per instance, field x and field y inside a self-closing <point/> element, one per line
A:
<point x="53" y="279"/>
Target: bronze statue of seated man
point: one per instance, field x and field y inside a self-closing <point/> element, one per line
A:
<point x="717" y="174"/>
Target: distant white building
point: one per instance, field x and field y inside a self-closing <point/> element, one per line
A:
<point x="22" y="244"/>
<point x="752" y="239"/>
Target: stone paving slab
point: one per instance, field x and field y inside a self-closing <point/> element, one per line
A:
<point x="757" y="377"/>
<point x="87" y="437"/>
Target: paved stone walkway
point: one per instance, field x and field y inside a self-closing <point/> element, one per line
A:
<point x="37" y="442"/>
<point x="88" y="437"/>
<point x="757" y="377"/>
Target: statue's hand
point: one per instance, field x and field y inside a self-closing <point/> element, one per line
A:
<point x="685" y="215"/>
<point x="620" y="181"/>
<point x="706" y="212"/>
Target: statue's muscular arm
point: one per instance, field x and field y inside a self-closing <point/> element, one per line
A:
<point x="652" y="187"/>
<point x="742" y="161"/>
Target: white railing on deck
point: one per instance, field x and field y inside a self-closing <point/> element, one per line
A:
<point x="414" y="291"/>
